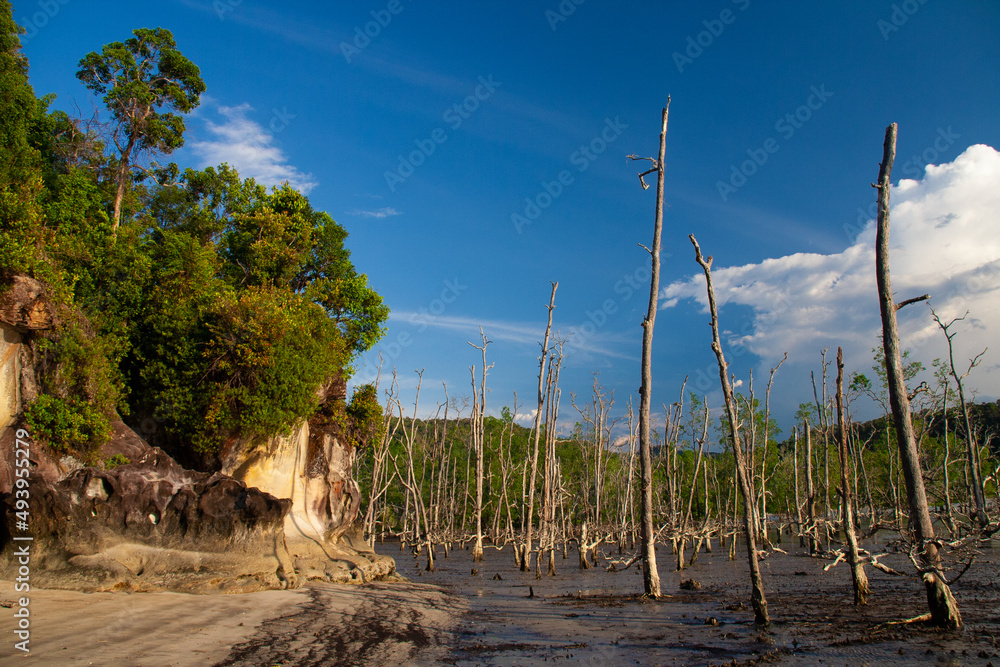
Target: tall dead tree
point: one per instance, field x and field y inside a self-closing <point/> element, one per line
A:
<point x="743" y="470"/>
<point x="858" y="576"/>
<point x="650" y="575"/>
<point x="551" y="486"/>
<point x="536" y="430"/>
<point x="478" y="433"/>
<point x="943" y="608"/>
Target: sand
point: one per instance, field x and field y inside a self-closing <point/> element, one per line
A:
<point x="329" y="624"/>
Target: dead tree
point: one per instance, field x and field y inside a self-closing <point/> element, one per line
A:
<point x="972" y="451"/>
<point x="650" y="575"/>
<point x="478" y="433"/>
<point x="811" y="530"/>
<point x="536" y="430"/>
<point x="943" y="608"/>
<point x="763" y="464"/>
<point x="550" y="482"/>
<point x="743" y="471"/>
<point x="421" y="518"/>
<point x="858" y="576"/>
<point x="381" y="480"/>
<point x="690" y="503"/>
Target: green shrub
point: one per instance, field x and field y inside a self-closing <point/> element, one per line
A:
<point x="115" y="461"/>
<point x="366" y="420"/>
<point x="69" y="425"/>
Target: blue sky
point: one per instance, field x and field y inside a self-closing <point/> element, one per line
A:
<point x="432" y="138"/>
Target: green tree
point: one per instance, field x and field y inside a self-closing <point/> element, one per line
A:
<point x="141" y="80"/>
<point x="20" y="173"/>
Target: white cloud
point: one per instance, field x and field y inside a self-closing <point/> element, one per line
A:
<point x="513" y="332"/>
<point x="944" y="241"/>
<point x="244" y="144"/>
<point x="384" y="212"/>
<point x="582" y="345"/>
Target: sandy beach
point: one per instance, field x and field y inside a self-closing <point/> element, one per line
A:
<point x="328" y="624"/>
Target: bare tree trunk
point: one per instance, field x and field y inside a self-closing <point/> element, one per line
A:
<point x="972" y="451"/>
<point x="536" y="429"/>
<point x="858" y="576"/>
<point x="478" y="433"/>
<point x="943" y="607"/>
<point x="122" y="178"/>
<point x="550" y="486"/>
<point x="810" y="494"/>
<point x="798" y="500"/>
<point x="763" y="465"/>
<point x="650" y="575"/>
<point x="742" y="467"/>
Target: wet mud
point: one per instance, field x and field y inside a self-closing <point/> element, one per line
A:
<point x="599" y="617"/>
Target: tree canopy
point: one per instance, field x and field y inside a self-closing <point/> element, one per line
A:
<point x="208" y="308"/>
<point x="136" y="79"/>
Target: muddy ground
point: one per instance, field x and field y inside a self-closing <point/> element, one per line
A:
<point x="598" y="617"/>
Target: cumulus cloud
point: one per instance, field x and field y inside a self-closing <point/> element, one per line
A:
<point x="944" y="241"/>
<point x="250" y="148"/>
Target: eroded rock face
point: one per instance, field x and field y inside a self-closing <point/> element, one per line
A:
<point x="25" y="306"/>
<point x="313" y="469"/>
<point x="152" y="525"/>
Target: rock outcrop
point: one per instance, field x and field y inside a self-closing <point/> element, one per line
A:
<point x="24" y="305"/>
<point x="313" y="468"/>
<point x="152" y="525"/>
<point x="278" y="512"/>
<point x="24" y="309"/>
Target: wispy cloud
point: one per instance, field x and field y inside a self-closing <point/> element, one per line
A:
<point x="945" y="235"/>
<point x="512" y="332"/>
<point x="244" y="144"/>
<point x="384" y="212"/>
<point x="583" y="345"/>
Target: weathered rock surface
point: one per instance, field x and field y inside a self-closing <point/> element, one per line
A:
<point x="313" y="468"/>
<point x="285" y="516"/>
<point x="25" y="306"/>
<point x="152" y="525"/>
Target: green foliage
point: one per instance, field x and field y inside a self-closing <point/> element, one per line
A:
<point x="367" y="421"/>
<point x="117" y="460"/>
<point x="138" y="77"/>
<point x="69" y="425"/>
<point x="268" y="352"/>
<point x="219" y="309"/>
<point x="20" y="166"/>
